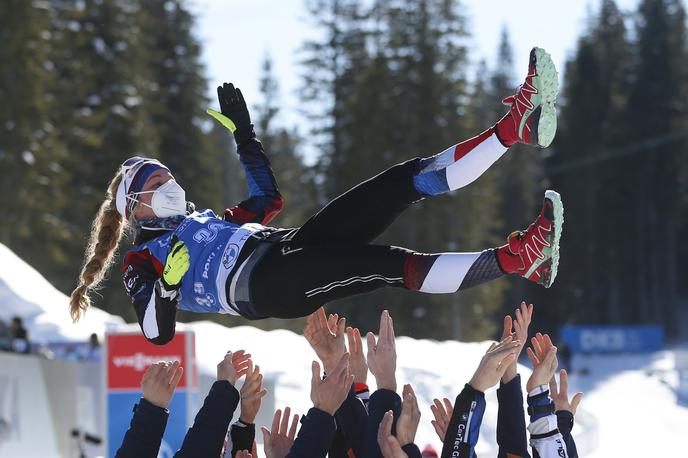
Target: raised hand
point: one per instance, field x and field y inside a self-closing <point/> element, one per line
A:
<point x="518" y="330"/>
<point x="407" y="424"/>
<point x="494" y="364"/>
<point x="544" y="360"/>
<point x="389" y="445"/>
<point x="561" y="395"/>
<point x="234" y="113"/>
<point x="329" y="394"/>
<point x="252" y="393"/>
<point x="233" y="366"/>
<point x="382" y="355"/>
<point x="442" y="411"/>
<point x="278" y="442"/>
<point x="357" y="364"/>
<point x="159" y="382"/>
<point x="326" y="336"/>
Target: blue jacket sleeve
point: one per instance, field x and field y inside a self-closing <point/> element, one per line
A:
<point x="207" y="435"/>
<point x="511" y="421"/>
<point x="380" y="402"/>
<point x="142" y="439"/>
<point x="315" y="436"/>
<point x="464" y="426"/>
<point x="350" y="437"/>
<point x="264" y="201"/>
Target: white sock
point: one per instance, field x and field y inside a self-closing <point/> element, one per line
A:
<point x="447" y="272"/>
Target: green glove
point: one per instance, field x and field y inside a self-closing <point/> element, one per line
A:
<point x="176" y="265"/>
<point x="233" y="113"/>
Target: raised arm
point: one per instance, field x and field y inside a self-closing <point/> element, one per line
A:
<point x="511" y="423"/>
<point x="463" y="430"/>
<point x="545" y="437"/>
<point x="206" y="436"/>
<point x="264" y="201"/>
<point x="145" y="432"/>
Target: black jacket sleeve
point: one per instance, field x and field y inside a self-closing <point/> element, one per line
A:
<point x="380" y="402"/>
<point x="350" y="436"/>
<point x="142" y="439"/>
<point x="156" y="308"/>
<point x="242" y="437"/>
<point x="565" y="425"/>
<point x="207" y="435"/>
<point x="315" y="436"/>
<point x="412" y="450"/>
<point x="264" y="202"/>
<point x="511" y="421"/>
<point x="464" y="425"/>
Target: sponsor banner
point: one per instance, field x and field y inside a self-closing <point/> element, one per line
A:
<point x="130" y="354"/>
<point x="120" y="405"/>
<point x="127" y="356"/>
<point x="613" y="339"/>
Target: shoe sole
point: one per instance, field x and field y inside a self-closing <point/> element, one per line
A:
<point x="548" y="87"/>
<point x="558" y="208"/>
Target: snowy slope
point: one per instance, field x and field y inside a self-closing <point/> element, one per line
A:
<point x="26" y="293"/>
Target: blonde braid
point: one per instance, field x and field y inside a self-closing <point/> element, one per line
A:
<point x="106" y="233"/>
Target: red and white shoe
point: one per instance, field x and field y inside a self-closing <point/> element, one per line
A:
<point x="534" y="253"/>
<point x="532" y="117"/>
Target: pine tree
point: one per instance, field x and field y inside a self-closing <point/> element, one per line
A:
<point x="398" y="94"/>
<point x="32" y="174"/>
<point x="294" y="178"/>
<point x="655" y="112"/>
<point x="594" y="188"/>
<point x="177" y="101"/>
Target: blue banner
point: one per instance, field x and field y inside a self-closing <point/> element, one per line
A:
<point x="120" y="411"/>
<point x="613" y="339"/>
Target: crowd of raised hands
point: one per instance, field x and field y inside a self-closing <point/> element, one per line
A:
<point x="347" y="420"/>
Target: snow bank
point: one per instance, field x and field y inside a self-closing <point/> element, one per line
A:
<point x="26" y="293"/>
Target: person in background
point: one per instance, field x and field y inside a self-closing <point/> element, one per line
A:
<point x="94" y="352"/>
<point x="20" y="337"/>
<point x="5" y="337"/>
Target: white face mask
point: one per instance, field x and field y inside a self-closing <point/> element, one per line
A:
<point x="168" y="200"/>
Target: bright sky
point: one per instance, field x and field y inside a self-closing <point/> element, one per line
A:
<point x="237" y="34"/>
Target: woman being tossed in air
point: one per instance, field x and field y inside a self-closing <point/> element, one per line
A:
<point x="236" y="264"/>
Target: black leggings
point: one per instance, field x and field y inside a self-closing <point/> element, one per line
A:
<point x="329" y="257"/>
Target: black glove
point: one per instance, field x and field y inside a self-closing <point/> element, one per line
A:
<point x="234" y="114"/>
